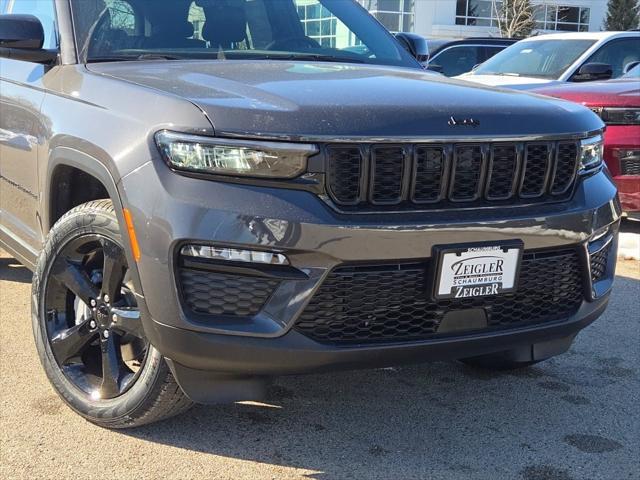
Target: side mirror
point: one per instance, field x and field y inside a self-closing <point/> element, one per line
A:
<point x="415" y="45"/>
<point x="22" y="37"/>
<point x="593" y="71"/>
<point x="630" y="66"/>
<point x="435" y="67"/>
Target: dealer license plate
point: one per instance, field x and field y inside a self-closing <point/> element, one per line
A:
<point x="477" y="270"/>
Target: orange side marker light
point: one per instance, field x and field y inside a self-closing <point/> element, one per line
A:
<point x="135" y="248"/>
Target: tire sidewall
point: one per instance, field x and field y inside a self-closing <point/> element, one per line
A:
<point x="76" y="223"/>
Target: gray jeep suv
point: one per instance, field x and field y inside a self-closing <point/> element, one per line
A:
<point x="215" y="192"/>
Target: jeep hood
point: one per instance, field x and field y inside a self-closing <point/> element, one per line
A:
<point x="300" y="100"/>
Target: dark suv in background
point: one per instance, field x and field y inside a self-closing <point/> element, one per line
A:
<point x="455" y="56"/>
<point x="215" y="192"/>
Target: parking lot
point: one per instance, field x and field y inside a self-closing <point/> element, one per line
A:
<point x="573" y="417"/>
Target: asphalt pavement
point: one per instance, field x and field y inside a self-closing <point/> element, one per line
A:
<point x="574" y="417"/>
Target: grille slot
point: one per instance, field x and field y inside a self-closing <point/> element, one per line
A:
<point x="344" y="172"/>
<point x="411" y="176"/>
<point x="502" y="172"/>
<point x="429" y="179"/>
<point x="536" y="168"/>
<point x="390" y="303"/>
<point x="388" y="165"/>
<point x="212" y="293"/>
<point x="467" y="173"/>
<point x="565" y="168"/>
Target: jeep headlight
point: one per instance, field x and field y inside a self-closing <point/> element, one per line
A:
<point x="223" y="156"/>
<point x="591" y="152"/>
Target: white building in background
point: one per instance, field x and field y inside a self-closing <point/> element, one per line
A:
<point x="472" y="18"/>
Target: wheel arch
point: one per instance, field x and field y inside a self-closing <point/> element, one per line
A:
<point x="66" y="169"/>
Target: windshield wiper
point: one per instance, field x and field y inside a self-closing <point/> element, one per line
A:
<point x="158" y="56"/>
<point x="131" y="58"/>
<point x="327" y="58"/>
<point x="318" y="57"/>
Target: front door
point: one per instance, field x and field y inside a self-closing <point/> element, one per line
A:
<point x="22" y="133"/>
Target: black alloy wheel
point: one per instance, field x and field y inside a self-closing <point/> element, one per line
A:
<point x="88" y="327"/>
<point x="93" y="323"/>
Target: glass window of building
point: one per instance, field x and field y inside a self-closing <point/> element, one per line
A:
<point x="479" y="13"/>
<point x="483" y="13"/>
<point x="395" y="15"/>
<point x="324" y="27"/>
<point x="562" y="18"/>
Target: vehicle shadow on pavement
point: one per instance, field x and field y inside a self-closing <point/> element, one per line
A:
<point x="13" y="271"/>
<point x="441" y="420"/>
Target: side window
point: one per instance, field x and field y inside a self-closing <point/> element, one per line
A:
<point x="458" y="60"/>
<point x="491" y="51"/>
<point x="618" y="54"/>
<point x="45" y="11"/>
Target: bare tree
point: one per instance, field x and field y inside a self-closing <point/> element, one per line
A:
<point x="514" y="17"/>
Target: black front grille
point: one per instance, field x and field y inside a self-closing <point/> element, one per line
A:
<point x="212" y="293"/>
<point x="630" y="165"/>
<point x="599" y="263"/>
<point x="411" y="176"/>
<point x="391" y="303"/>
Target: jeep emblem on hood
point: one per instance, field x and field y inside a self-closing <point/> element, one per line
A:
<point x="466" y="122"/>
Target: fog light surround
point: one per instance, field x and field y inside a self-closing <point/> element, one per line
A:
<point x="598" y="234"/>
<point x="233" y="255"/>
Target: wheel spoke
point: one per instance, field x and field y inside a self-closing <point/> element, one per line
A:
<point x="75" y="279"/>
<point x="127" y="320"/>
<point x="74" y="250"/>
<point x="114" y="270"/>
<point x="110" y="386"/>
<point x="71" y="342"/>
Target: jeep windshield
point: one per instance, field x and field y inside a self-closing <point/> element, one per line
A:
<point x="535" y="58"/>
<point x="316" y="30"/>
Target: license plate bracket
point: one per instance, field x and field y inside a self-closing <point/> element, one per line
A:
<point x="479" y="269"/>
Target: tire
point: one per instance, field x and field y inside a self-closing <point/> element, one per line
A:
<point x="497" y="362"/>
<point x="115" y="379"/>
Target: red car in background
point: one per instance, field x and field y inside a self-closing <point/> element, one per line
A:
<point x="618" y="104"/>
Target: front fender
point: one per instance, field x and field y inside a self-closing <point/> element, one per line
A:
<point x="66" y="156"/>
